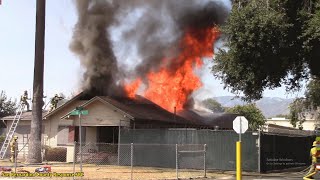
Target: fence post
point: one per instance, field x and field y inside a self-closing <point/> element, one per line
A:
<point x="119" y="142"/>
<point x="131" y="160"/>
<point x="259" y="151"/>
<point x="204" y="160"/>
<point x="74" y="157"/>
<point x="177" y="164"/>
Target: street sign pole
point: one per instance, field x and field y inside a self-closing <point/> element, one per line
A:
<point x="238" y="154"/>
<point x="240" y="125"/>
<point x="240" y="129"/>
<point x="80" y="138"/>
<point x="80" y="111"/>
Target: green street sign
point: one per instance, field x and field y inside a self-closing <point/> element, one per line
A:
<point x="77" y="112"/>
<point x="84" y="112"/>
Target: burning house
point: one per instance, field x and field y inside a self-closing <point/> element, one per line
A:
<point x="108" y="114"/>
<point x="155" y="89"/>
<point x="170" y="38"/>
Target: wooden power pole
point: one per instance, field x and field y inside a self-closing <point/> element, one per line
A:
<point x="34" y="152"/>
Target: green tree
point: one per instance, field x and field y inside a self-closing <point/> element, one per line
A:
<point x="267" y="44"/>
<point x="252" y="114"/>
<point x="213" y="105"/>
<point x="312" y="93"/>
<point x="7" y="106"/>
<point x="306" y="106"/>
<point x="298" y="112"/>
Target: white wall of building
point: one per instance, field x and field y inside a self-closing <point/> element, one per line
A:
<point x="309" y="124"/>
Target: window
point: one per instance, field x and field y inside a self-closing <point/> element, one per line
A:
<point x="63" y="135"/>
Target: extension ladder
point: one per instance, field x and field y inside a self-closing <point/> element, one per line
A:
<point x="12" y="129"/>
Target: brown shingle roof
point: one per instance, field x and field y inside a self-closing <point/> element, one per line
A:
<point x="142" y="109"/>
<point x="24" y="116"/>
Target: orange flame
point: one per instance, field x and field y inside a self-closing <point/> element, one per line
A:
<point x="132" y="88"/>
<point x="172" y="88"/>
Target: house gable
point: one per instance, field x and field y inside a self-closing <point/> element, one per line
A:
<point x="101" y="113"/>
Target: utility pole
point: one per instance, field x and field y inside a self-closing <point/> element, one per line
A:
<point x="34" y="152"/>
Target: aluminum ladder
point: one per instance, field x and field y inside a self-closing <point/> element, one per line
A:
<point x="12" y="129"/>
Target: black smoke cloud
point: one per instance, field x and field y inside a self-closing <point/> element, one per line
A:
<point x="155" y="32"/>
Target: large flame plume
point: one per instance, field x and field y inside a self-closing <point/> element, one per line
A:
<point x="170" y="88"/>
<point x="155" y="45"/>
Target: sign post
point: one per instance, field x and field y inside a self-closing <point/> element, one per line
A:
<point x="80" y="111"/>
<point x="240" y="125"/>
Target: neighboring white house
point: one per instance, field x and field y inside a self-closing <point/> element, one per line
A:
<point x="309" y="124"/>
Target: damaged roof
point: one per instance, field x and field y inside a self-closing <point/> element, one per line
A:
<point x="142" y="109"/>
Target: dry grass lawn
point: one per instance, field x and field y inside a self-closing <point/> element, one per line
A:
<point x="116" y="172"/>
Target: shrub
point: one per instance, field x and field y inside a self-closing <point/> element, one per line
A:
<point x="55" y="154"/>
<point x="2" y="138"/>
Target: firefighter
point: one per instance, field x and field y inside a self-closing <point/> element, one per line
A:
<point x="13" y="148"/>
<point x="24" y="100"/>
<point x="314" y="159"/>
<point x="54" y="102"/>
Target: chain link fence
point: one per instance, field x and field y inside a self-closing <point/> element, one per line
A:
<point x="115" y="161"/>
<point x="221" y="148"/>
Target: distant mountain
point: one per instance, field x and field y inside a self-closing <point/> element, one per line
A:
<point x="270" y="106"/>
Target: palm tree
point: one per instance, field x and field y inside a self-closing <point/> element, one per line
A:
<point x="34" y="154"/>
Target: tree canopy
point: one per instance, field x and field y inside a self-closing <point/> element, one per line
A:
<point x="267" y="44"/>
<point x="308" y="106"/>
<point x="252" y="114"/>
<point x="213" y="105"/>
<point x="7" y="106"/>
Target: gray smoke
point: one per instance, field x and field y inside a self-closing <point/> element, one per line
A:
<point x="152" y="27"/>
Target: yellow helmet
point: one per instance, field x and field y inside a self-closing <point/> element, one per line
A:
<point x="15" y="137"/>
<point x="315" y="143"/>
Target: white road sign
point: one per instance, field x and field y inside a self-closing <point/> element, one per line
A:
<point x="240" y="124"/>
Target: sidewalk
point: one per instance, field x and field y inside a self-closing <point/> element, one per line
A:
<point x="297" y="173"/>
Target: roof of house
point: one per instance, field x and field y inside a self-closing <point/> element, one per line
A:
<point x="144" y="109"/>
<point x="140" y="108"/>
<point x="63" y="105"/>
<point x="26" y="115"/>
<point x="283" y="130"/>
<point x="213" y="120"/>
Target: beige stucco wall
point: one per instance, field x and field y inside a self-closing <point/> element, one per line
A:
<point x="23" y="130"/>
<point x="309" y="124"/>
<point x="101" y="114"/>
<point x="23" y="133"/>
<point x="54" y="121"/>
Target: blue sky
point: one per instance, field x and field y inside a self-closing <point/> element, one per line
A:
<point x="62" y="68"/>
